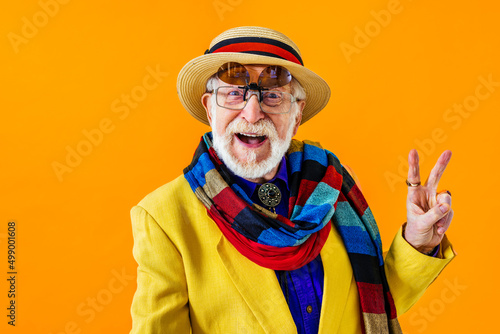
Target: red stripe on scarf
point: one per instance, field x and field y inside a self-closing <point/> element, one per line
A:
<point x="305" y="190"/>
<point x="332" y="178"/>
<point x="371" y="298"/>
<point x="276" y="258"/>
<point x="357" y="198"/>
<point x="214" y="155"/>
<point x="247" y="47"/>
<point x="291" y="204"/>
<point x="393" y="314"/>
<point x="230" y="204"/>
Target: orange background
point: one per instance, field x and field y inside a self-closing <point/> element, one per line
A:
<point x="69" y="74"/>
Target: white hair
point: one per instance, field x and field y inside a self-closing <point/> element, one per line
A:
<point x="297" y="90"/>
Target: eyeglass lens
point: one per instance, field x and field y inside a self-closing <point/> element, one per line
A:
<point x="271" y="77"/>
<point x="233" y="74"/>
<point x="273" y="102"/>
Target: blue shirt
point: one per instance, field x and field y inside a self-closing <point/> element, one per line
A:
<point x="302" y="287"/>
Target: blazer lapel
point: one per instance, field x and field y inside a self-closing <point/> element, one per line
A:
<point x="337" y="282"/>
<point x="259" y="288"/>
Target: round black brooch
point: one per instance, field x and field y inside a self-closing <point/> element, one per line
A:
<point x="269" y="195"/>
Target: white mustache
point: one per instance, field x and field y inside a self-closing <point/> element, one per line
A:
<point x="263" y="127"/>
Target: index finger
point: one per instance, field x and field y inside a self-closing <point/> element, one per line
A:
<point x="437" y="171"/>
<point x="413" y="168"/>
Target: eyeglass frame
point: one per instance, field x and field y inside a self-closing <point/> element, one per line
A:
<point x="257" y="91"/>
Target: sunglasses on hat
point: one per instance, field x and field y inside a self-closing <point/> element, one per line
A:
<point x="271" y="77"/>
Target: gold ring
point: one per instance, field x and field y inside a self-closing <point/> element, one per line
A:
<point x="409" y="184"/>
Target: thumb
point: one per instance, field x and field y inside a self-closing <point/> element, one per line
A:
<point x="435" y="214"/>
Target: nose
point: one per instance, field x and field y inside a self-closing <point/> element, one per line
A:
<point x="252" y="112"/>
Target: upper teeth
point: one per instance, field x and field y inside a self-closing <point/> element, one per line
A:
<point x="249" y="135"/>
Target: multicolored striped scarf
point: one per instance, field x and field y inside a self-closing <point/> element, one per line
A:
<point x="321" y="191"/>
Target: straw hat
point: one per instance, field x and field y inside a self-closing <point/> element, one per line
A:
<point x="249" y="45"/>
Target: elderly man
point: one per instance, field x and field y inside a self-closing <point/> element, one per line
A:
<point x="265" y="234"/>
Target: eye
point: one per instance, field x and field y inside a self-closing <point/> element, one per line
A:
<point x="235" y="92"/>
<point x="272" y="95"/>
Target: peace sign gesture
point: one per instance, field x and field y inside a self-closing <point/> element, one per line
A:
<point x="428" y="213"/>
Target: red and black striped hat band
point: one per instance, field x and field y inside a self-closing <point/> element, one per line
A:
<point x="258" y="46"/>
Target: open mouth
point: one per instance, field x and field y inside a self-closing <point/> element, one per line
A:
<point x="250" y="138"/>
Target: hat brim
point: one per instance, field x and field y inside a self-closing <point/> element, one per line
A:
<point x="192" y="79"/>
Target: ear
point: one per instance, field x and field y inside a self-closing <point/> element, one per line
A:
<point x="298" y="119"/>
<point x="206" y="100"/>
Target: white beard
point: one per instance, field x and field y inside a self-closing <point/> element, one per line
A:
<point x="250" y="168"/>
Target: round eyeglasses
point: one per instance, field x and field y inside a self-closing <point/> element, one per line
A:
<point x="270" y="101"/>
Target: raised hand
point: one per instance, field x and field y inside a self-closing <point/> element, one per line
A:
<point x="428" y="213"/>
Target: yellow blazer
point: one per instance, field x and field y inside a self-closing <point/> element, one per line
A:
<point x="191" y="279"/>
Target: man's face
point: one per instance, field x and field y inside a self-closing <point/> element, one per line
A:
<point x="250" y="142"/>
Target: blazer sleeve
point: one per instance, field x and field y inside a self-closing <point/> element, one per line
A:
<point x="410" y="272"/>
<point x="160" y="303"/>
